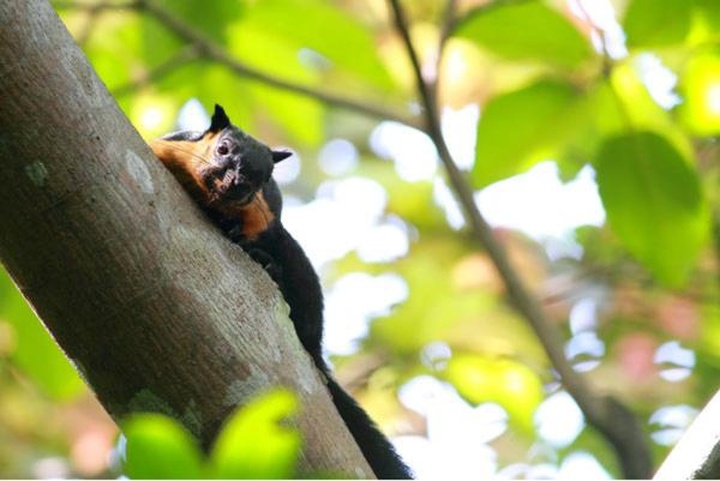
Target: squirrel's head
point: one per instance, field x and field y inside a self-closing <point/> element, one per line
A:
<point x="237" y="164"/>
<point x="222" y="165"/>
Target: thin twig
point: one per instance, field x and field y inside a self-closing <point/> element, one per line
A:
<point x="209" y="49"/>
<point x="448" y="22"/>
<point x="218" y="54"/>
<point x="611" y="418"/>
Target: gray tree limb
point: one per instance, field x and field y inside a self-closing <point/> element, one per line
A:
<point x="697" y="454"/>
<point x="155" y="308"/>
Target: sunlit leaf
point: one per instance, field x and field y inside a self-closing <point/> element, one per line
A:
<point x="158" y="447"/>
<point x="301" y="116"/>
<point x="158" y="44"/>
<point x="36" y="353"/>
<point x="512" y="385"/>
<point x="706" y="21"/>
<point x="652" y="23"/>
<point x="700" y="84"/>
<point x="444" y="305"/>
<point x="211" y="84"/>
<point x="624" y="103"/>
<point x="321" y="36"/>
<point x="257" y="442"/>
<point x="521" y="128"/>
<point x="212" y="22"/>
<point x="527" y="31"/>
<point x="654" y="203"/>
<point x="153" y="114"/>
<point x="121" y="35"/>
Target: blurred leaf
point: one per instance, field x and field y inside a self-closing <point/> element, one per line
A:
<point x="320" y="36"/>
<point x="413" y="202"/>
<point x="212" y="21"/>
<point x="624" y="103"/>
<point x="520" y="128"/>
<point x="706" y="21"/>
<point x="508" y="383"/>
<point x="158" y="447"/>
<point x="211" y="84"/>
<point x="700" y="87"/>
<point x="654" y="203"/>
<point x="115" y="48"/>
<point x="526" y="31"/>
<point x="158" y="44"/>
<point x="36" y="353"/>
<point x="300" y="116"/>
<point x="653" y="23"/>
<point x="444" y="305"/>
<point x="256" y="442"/>
<point x="153" y="114"/>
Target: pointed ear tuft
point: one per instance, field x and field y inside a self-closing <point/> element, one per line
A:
<point x="279" y="155"/>
<point x="219" y="120"/>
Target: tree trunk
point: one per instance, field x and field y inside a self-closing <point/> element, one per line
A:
<point x="153" y="306"/>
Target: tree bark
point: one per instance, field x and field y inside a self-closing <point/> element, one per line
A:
<point x="153" y="306"/>
<point x="697" y="454"/>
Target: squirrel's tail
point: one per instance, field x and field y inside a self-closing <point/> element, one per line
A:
<point x="378" y="451"/>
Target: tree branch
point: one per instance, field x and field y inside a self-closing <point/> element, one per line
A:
<point x="185" y="55"/>
<point x="156" y="309"/>
<point x="609" y="416"/>
<point x="212" y="51"/>
<point x="218" y="54"/>
<point x="697" y="454"/>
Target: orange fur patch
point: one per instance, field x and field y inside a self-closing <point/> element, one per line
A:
<point x="256" y="216"/>
<point x="186" y="158"/>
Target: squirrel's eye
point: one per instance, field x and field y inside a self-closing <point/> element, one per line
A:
<point x="223" y="149"/>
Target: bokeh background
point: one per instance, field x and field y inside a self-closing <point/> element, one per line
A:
<point x="587" y="129"/>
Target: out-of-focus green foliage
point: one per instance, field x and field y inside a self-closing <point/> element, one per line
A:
<point x="654" y="203"/>
<point x="255" y="443"/>
<point x="643" y="18"/>
<point x="527" y="31"/>
<point x="557" y="111"/>
<point x="552" y="80"/>
<point x="32" y="349"/>
<point x="158" y="447"/>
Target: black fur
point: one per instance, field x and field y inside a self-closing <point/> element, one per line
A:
<point x="283" y="258"/>
<point x="289" y="267"/>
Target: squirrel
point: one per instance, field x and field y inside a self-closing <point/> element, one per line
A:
<point x="229" y="175"/>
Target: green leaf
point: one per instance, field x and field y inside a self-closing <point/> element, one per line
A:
<point x="706" y="21"/>
<point x="158" y="447"/>
<point x="520" y="128"/>
<point x="36" y="353"/>
<point x="212" y="20"/>
<point x="526" y="31"/>
<point x="653" y="23"/>
<point x="306" y="26"/>
<point x="700" y="88"/>
<point x="300" y="116"/>
<point x="115" y="48"/>
<point x="654" y="203"/>
<point x="511" y="384"/>
<point x="623" y="103"/>
<point x="256" y="442"/>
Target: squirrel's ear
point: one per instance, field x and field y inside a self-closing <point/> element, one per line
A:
<point x="219" y="120"/>
<point x="279" y="155"/>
